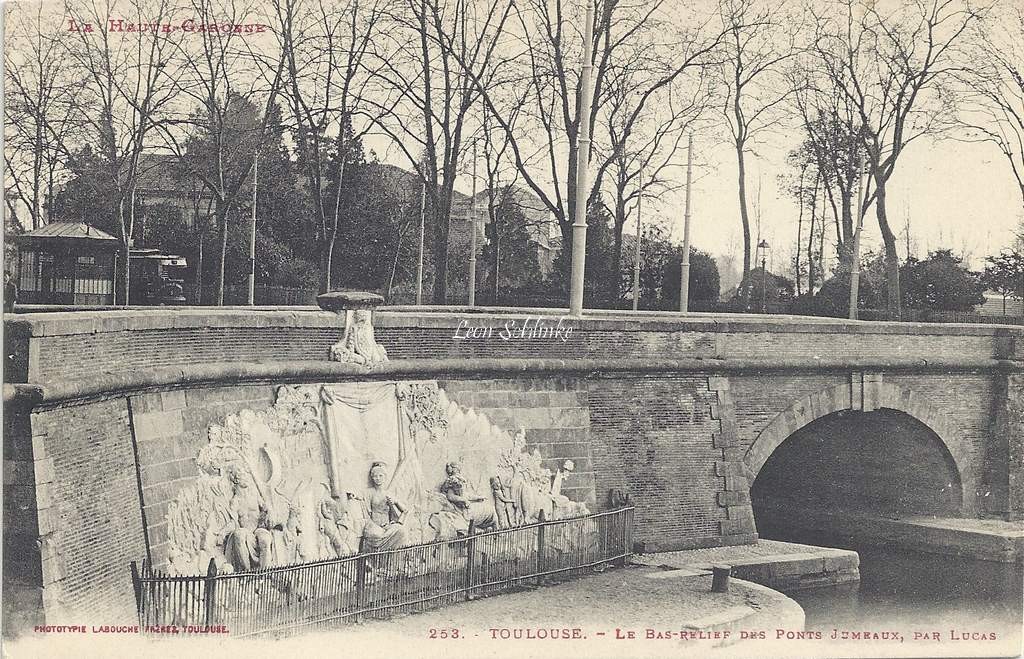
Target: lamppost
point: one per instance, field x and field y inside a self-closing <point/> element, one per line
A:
<point x="472" y="236"/>
<point x="762" y="249"/>
<point x="579" y="225"/>
<point x="684" y="266"/>
<point x="855" y="257"/>
<point x="636" y="257"/>
<point x="419" y="257"/>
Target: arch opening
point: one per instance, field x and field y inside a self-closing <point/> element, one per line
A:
<point x="884" y="463"/>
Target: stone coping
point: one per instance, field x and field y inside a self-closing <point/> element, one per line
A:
<point x="156" y="318"/>
<point x="282" y="372"/>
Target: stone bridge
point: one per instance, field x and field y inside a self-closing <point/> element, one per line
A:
<point x="105" y="413"/>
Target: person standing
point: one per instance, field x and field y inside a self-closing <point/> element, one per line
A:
<point x="10" y="292"/>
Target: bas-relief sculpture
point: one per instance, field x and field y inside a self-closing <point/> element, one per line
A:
<point x="358" y="345"/>
<point x="332" y="470"/>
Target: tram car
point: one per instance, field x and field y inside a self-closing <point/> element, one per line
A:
<point x="157" y="278"/>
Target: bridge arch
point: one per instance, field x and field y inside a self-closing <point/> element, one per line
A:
<point x="884" y="396"/>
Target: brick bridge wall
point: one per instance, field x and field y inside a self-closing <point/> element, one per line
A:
<point x="677" y="438"/>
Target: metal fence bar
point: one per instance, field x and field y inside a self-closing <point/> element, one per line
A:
<point x="380" y="584"/>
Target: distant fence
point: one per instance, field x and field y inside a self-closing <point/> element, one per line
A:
<point x="920" y="316"/>
<point x="238" y="295"/>
<point x="278" y="600"/>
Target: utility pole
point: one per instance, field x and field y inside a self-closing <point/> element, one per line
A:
<point x="684" y="267"/>
<point x="472" y="237"/>
<point x="252" y="236"/>
<point x="636" y="258"/>
<point x="855" y="259"/>
<point x="579" y="225"/>
<point x="419" y="261"/>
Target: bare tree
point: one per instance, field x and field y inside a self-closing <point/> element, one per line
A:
<point x="544" y="84"/>
<point x="832" y="139"/>
<point x="760" y="41"/>
<point x="126" y="86"/>
<point x="641" y="148"/>
<point x="995" y="81"/>
<point x="439" y="53"/>
<point x="504" y="198"/>
<point x="892" y="65"/>
<point x="325" y="49"/>
<point x="232" y="91"/>
<point x="41" y="112"/>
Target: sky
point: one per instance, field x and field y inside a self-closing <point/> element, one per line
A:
<point x="957" y="195"/>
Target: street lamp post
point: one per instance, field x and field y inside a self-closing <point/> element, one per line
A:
<point x="579" y="225"/>
<point x="684" y="266"/>
<point x="419" y="258"/>
<point x="636" y="257"/>
<point x="251" y="278"/>
<point x="763" y="248"/>
<point x="855" y="256"/>
<point x="472" y="237"/>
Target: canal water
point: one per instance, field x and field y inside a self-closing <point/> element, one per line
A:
<point x="962" y="601"/>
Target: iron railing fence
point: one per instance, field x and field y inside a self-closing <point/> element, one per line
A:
<point x="279" y="600"/>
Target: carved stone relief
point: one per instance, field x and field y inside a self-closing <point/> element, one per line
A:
<point x="358" y="345"/>
<point x="294" y="483"/>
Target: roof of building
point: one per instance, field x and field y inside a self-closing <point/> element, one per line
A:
<point x="77" y="230"/>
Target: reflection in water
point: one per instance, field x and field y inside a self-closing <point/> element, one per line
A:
<point x="912" y="592"/>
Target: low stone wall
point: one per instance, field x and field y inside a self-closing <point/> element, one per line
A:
<point x="60" y="346"/>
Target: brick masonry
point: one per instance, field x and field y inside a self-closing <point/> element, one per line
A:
<point x="659" y="438"/>
<point x="555" y="414"/>
<point x="22" y="576"/>
<point x="1005" y="457"/>
<point x="170" y="429"/>
<point x="678" y="442"/>
<point x="87" y="509"/>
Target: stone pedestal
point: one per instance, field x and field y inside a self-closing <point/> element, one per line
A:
<point x="358" y="344"/>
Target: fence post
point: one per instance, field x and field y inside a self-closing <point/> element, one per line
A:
<point x="470" y="560"/>
<point x="541" y="542"/>
<point x="624" y="529"/>
<point x="137" y="586"/>
<point x="360" y="585"/>
<point x="211" y="586"/>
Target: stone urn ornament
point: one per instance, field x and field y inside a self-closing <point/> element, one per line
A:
<point x="358" y="344"/>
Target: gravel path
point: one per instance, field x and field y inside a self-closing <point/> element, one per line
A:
<point x="599" y="611"/>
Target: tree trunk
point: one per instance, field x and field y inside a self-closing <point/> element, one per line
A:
<point x="222" y="227"/>
<point x="845" y="246"/>
<point x="799" y="232"/>
<point x="124" y="275"/>
<point x="744" y="220"/>
<point x="125" y="247"/>
<point x="37" y="167"/>
<point x="442" y="230"/>
<point x="565" y="223"/>
<point x="810" y="239"/>
<point x="332" y="241"/>
<point x="325" y="266"/>
<point x="327" y="262"/>
<point x="199" y="269"/>
<point x="494" y="266"/>
<point x="892" y="259"/>
<point x="620" y="221"/>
